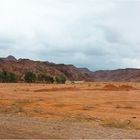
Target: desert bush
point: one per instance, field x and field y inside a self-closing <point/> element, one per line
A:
<point x="12" y="77"/>
<point x="121" y="124"/>
<point x="30" y="77"/>
<point x="115" y="123"/>
<point x="60" y="79"/>
<point x="7" y="77"/>
<point x="45" y="78"/>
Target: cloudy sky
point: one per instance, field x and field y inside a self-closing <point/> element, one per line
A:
<point x="98" y="34"/>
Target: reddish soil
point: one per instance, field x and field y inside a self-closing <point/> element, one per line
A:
<point x="109" y="107"/>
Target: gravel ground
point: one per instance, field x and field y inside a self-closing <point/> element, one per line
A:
<point x="14" y="127"/>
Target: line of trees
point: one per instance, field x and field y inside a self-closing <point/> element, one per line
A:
<point x="7" y="77"/>
<point x="30" y="77"/>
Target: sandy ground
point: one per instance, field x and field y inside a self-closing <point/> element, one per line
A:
<point x="90" y="110"/>
<point x="13" y="127"/>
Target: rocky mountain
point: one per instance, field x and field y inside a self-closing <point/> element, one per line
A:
<point x="86" y="71"/>
<point x="21" y="66"/>
<point x="9" y="58"/>
<point x="120" y="75"/>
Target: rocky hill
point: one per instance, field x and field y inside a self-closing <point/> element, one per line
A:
<point x="21" y="66"/>
<point x="120" y="75"/>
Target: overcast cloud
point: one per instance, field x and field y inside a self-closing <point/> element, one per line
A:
<point x="98" y="34"/>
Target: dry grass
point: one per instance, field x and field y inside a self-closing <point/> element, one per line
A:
<point x="16" y="106"/>
<point x="115" y="124"/>
<point x="127" y="124"/>
<point x="79" y="102"/>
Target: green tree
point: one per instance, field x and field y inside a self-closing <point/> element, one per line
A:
<point x="49" y="79"/>
<point x="60" y="79"/>
<point x="12" y="78"/>
<point x="30" y="77"/>
<point x="1" y="76"/>
<point x="7" y="77"/>
<point x="45" y="78"/>
<point x="40" y="78"/>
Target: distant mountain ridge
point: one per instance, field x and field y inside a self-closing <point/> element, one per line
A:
<point x="21" y="66"/>
<point x="119" y="75"/>
<point x="9" y="58"/>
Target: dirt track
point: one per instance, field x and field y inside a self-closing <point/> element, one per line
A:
<point x="21" y="127"/>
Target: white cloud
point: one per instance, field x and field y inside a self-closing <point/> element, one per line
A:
<point x="95" y="33"/>
<point x="131" y="63"/>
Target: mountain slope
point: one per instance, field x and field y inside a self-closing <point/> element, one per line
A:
<point x="21" y="66"/>
<point x="120" y="75"/>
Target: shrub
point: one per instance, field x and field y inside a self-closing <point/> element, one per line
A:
<point x="7" y="77"/>
<point x="30" y="77"/>
<point x="45" y="78"/>
<point x="60" y="79"/>
<point x="12" y="77"/>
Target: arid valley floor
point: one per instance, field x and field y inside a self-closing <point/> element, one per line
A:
<point x="88" y="110"/>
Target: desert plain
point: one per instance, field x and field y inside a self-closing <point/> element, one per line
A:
<point x="70" y="111"/>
